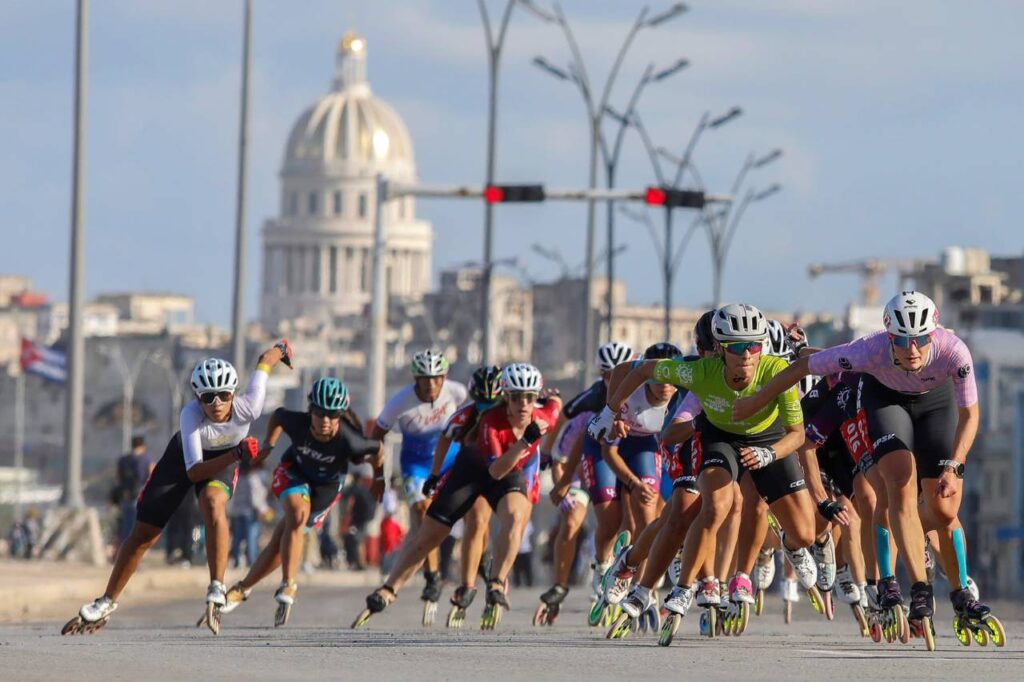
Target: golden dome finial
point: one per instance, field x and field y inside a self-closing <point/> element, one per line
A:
<point x="351" y="42"/>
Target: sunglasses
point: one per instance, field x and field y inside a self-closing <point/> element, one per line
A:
<point x="523" y="397"/>
<point x="325" y="414"/>
<point x="906" y="341"/>
<point x="208" y="398"/>
<point x="740" y="347"/>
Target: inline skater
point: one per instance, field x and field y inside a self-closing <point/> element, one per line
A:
<point x="308" y="481"/>
<point x="727" y="448"/>
<point x="498" y="468"/>
<point x="609" y="356"/>
<point x="419" y="412"/>
<point x="922" y="411"/>
<point x="201" y="456"/>
<point x="485" y="393"/>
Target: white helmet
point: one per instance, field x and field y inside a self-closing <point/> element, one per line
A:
<point x="214" y="374"/>
<point x="429" y="363"/>
<point x="739" y="322"/>
<point x="778" y="341"/>
<point x="520" y="377"/>
<point x="807" y="383"/>
<point x="910" y="314"/>
<point x="613" y="354"/>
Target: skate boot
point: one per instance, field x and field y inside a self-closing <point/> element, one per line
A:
<point x="216" y="598"/>
<point x="741" y="600"/>
<point x="849" y="592"/>
<point x="236" y="594"/>
<point x="972" y="587"/>
<point x="893" y="617"/>
<point x="550" y="605"/>
<point x="620" y="577"/>
<point x="973" y="619"/>
<point x="676" y="567"/>
<point x="91" y="617"/>
<point x="285" y="598"/>
<point x="596" y="616"/>
<point x="430" y="596"/>
<point x="497" y="604"/>
<point x="922" y="611"/>
<point x="676" y="605"/>
<point x="461" y="599"/>
<point x="824" y="553"/>
<point x="764" y="574"/>
<point x="709" y="597"/>
<point x="640" y="601"/>
<point x="376" y="602"/>
<point x="930" y="565"/>
<point x="806" y="570"/>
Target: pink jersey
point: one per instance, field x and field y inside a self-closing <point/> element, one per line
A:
<point x="688" y="409"/>
<point x="949" y="358"/>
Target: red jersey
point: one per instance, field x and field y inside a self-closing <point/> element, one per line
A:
<point x="496" y="437"/>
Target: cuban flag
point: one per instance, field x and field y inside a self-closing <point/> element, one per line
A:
<point x="43" y="361"/>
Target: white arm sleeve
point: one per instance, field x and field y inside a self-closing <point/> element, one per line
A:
<point x="191" y="444"/>
<point x="248" y="407"/>
<point x="392" y="409"/>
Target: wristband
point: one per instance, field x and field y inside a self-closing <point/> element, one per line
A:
<point x="264" y="367"/>
<point x="956" y="467"/>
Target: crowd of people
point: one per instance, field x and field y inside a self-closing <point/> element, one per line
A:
<point x="699" y="469"/>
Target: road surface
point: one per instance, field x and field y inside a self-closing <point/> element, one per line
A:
<point x="160" y="642"/>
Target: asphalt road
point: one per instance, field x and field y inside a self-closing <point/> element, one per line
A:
<point x="160" y="642"/>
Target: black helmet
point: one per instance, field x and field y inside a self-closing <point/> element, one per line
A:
<point x="662" y="351"/>
<point x="702" y="333"/>
<point x="485" y="386"/>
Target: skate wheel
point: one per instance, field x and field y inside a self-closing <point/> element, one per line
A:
<point x="929" y="633"/>
<point x="281" y="616"/>
<point x="596" y="614"/>
<point x="361" y="619"/>
<point x="787" y="614"/>
<point x="620" y="627"/>
<point x="961" y="632"/>
<point x="902" y="625"/>
<point x="876" y="633"/>
<point x="429" y="612"/>
<point x="759" y="602"/>
<point x="73" y="626"/>
<point x="816" y="599"/>
<point x="981" y="636"/>
<point x="995" y="630"/>
<point x="456" y="617"/>
<point x="861" y="618"/>
<point x="828" y="605"/>
<point x="213" y="617"/>
<point x="744" y="618"/>
<point x="669" y="628"/>
<point x="714" y="626"/>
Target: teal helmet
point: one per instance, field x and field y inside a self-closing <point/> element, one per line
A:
<point x="329" y="393"/>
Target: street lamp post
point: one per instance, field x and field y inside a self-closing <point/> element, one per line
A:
<point x="670" y="259"/>
<point x="596" y="107"/>
<point x="238" y="295"/>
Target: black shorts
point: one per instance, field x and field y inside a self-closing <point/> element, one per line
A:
<point x="683" y="474"/>
<point x="467" y="480"/>
<point x="837" y="467"/>
<point x="168" y="484"/>
<point x="923" y="423"/>
<point x="713" y="447"/>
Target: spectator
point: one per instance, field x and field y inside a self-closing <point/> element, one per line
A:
<point x="360" y="507"/>
<point x="248" y="507"/>
<point x="133" y="469"/>
<point x="522" y="569"/>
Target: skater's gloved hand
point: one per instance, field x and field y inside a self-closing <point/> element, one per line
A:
<point x="757" y="457"/>
<point x="601" y="425"/>
<point x="834" y="511"/>
<point x="430" y="485"/>
<point x="533" y="432"/>
<point x="248" y="449"/>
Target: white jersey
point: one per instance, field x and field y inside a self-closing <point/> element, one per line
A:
<point x="421" y="423"/>
<point x="643" y="418"/>
<point x="199" y="433"/>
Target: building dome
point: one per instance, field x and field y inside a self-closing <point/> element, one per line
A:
<point x="348" y="124"/>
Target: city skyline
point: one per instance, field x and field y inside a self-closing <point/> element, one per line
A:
<point x="860" y="124"/>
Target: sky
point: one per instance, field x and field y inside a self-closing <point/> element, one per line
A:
<point x="900" y="125"/>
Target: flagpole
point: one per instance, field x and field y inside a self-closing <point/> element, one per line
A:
<point x="75" y="395"/>
<point x="19" y="439"/>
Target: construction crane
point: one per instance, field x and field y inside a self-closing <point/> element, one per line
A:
<point x="871" y="270"/>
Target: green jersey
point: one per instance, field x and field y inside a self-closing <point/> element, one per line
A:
<point x="706" y="378"/>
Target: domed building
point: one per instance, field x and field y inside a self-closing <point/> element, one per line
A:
<point x="317" y="255"/>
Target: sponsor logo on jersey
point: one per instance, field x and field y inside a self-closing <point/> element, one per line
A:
<point x="716" y="403"/>
<point x="845" y="363"/>
<point x="796" y="484"/>
<point x="814" y="433"/>
<point x="684" y="374"/>
<point x="884" y="439"/>
<point x="315" y="455"/>
<point x="843" y="397"/>
<point x="963" y="371"/>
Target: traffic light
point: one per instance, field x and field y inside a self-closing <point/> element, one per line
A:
<point x="502" y="194"/>
<point x="665" y="196"/>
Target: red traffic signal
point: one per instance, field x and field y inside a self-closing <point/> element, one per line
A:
<point x="500" y="194"/>
<point x="683" y="198"/>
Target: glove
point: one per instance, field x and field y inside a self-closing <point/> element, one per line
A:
<point x="545" y="460"/>
<point x="830" y="509"/>
<point x="286" y="352"/>
<point x="601" y="425"/>
<point x="248" y="449"/>
<point x="532" y="433"/>
<point x="764" y="457"/>
<point x="430" y="485"/>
